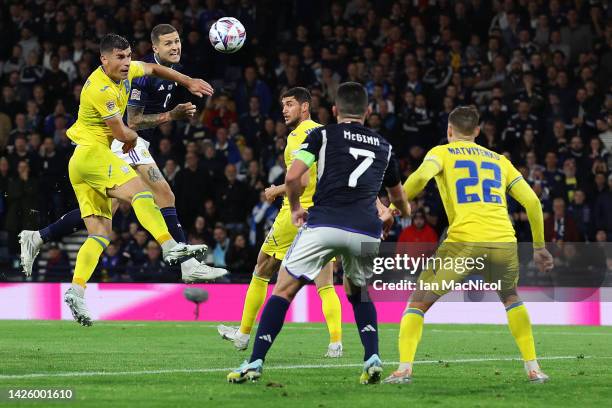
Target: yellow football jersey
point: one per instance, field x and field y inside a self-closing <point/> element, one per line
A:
<point x="101" y="98"/>
<point x="294" y="144"/>
<point x="473" y="182"/>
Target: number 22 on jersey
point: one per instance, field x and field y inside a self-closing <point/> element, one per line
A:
<point x="488" y="176"/>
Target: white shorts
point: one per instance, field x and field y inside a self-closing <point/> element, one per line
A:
<point x="313" y="248"/>
<point x="138" y="155"/>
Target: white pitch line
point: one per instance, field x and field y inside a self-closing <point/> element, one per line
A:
<point x="281" y="367"/>
<point x="539" y="331"/>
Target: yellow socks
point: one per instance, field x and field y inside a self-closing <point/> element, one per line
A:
<point x="88" y="257"/>
<point x="411" y="330"/>
<point x="150" y="217"/>
<point x="255" y="298"/>
<point x="520" y="327"/>
<point x="332" y="312"/>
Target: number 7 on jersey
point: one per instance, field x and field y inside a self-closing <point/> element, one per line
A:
<point x="363" y="166"/>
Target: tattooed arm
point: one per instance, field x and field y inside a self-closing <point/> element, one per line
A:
<point x="137" y="120"/>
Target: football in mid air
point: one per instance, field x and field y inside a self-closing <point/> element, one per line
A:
<point x="227" y="35"/>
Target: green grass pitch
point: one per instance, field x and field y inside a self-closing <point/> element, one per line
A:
<point x="154" y="364"/>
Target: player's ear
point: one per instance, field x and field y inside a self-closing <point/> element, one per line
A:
<point x="449" y="131"/>
<point x="334" y="111"/>
<point x="476" y="131"/>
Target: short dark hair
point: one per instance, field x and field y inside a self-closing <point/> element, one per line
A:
<point x="464" y="119"/>
<point x="159" y="30"/>
<point x="300" y="94"/>
<point x="113" y="41"/>
<point x="351" y="99"/>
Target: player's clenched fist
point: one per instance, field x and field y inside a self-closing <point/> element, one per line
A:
<point x="183" y="111"/>
<point x="299" y="217"/>
<point x="270" y="193"/>
<point x="127" y="146"/>
<point x="199" y="87"/>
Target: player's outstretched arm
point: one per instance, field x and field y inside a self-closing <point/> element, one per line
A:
<point x="524" y="194"/>
<point x="419" y="179"/>
<point x="137" y="120"/>
<point x="121" y="132"/>
<point x="196" y="86"/>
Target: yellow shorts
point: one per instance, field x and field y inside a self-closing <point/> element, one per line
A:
<point x="281" y="235"/>
<point x="92" y="170"/>
<point x="455" y="261"/>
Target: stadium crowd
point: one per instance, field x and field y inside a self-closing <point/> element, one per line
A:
<point x="539" y="72"/>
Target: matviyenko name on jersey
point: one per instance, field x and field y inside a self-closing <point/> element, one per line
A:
<point x="373" y="140"/>
<point x="473" y="151"/>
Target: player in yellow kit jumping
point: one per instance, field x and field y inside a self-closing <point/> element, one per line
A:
<point x="296" y="111"/>
<point x="97" y="174"/>
<point x="473" y="182"/>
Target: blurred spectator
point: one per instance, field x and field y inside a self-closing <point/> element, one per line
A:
<point x="191" y="186"/>
<point x="582" y="214"/>
<point x="135" y="252"/>
<point x="413" y="240"/>
<point x="221" y="247"/>
<point x="57" y="268"/>
<point x="561" y="227"/>
<point x="123" y="217"/>
<point x="603" y="210"/>
<point x="251" y="86"/>
<point x="22" y="198"/>
<point x="240" y="259"/>
<point x="153" y="269"/>
<point x="220" y="114"/>
<point x="201" y="231"/>
<point x="232" y="196"/>
<point x="261" y="219"/>
<point x="111" y="267"/>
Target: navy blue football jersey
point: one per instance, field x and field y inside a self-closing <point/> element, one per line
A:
<point x="351" y="164"/>
<point x="154" y="94"/>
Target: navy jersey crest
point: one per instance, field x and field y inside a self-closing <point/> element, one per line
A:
<point x="154" y="94"/>
<point x="351" y="163"/>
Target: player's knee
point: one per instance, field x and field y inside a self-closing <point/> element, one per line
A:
<point x="265" y="268"/>
<point x="164" y="197"/>
<point x="508" y="296"/>
<point x="423" y="306"/>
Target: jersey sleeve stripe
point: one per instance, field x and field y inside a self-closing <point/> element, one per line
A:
<point x="111" y="115"/>
<point x="513" y="182"/>
<point x="435" y="162"/>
